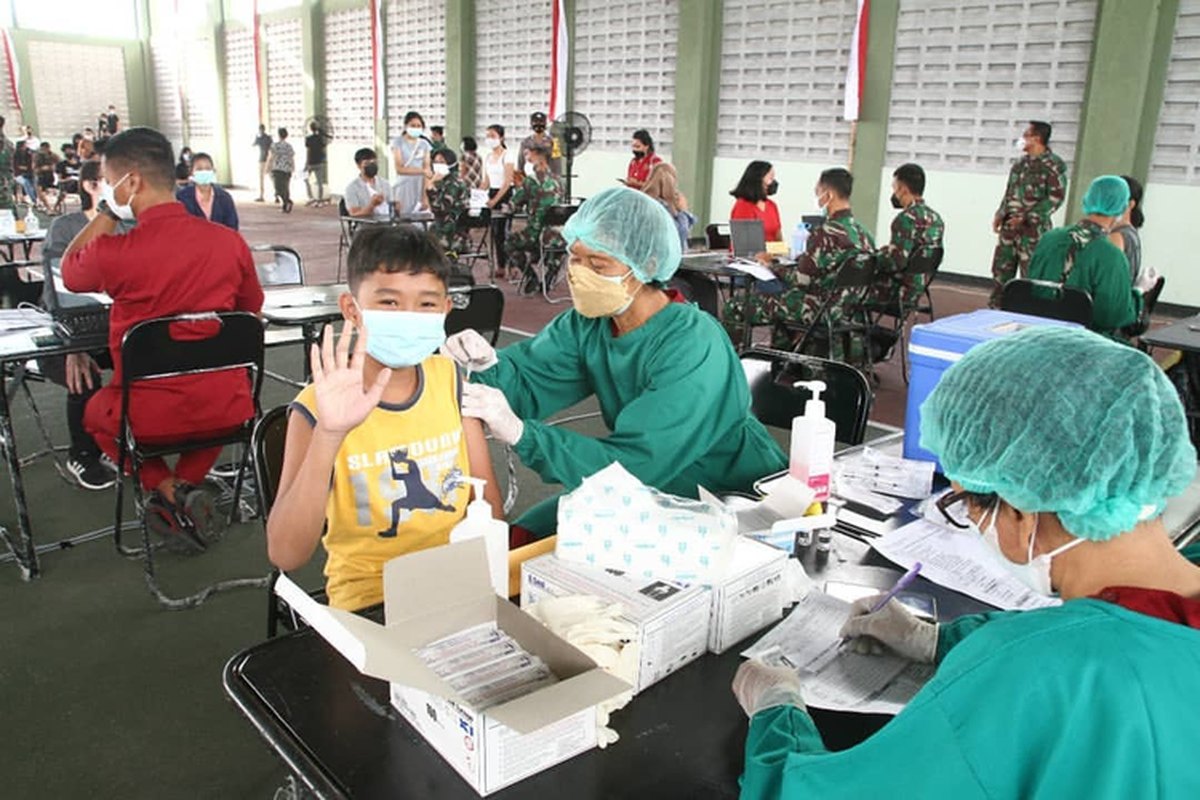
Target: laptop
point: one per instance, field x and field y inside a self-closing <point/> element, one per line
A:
<point x="76" y="315"/>
<point x="747" y="237"/>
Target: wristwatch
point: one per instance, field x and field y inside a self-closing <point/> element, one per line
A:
<point x="103" y="208"/>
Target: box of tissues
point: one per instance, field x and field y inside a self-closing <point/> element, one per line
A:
<point x="614" y="521"/>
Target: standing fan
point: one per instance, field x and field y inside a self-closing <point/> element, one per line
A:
<point x="572" y="132"/>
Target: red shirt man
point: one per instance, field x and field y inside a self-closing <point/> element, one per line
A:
<point x="170" y="263"/>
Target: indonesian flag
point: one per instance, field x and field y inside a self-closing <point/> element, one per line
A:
<point x="258" y="92"/>
<point x="857" y="70"/>
<point x="377" y="85"/>
<point x="559" y="51"/>
<point x="14" y="70"/>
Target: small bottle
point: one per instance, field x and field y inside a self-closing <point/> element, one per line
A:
<point x="479" y="522"/>
<point x="813" y="441"/>
<point x="32" y="225"/>
<point x="799" y="240"/>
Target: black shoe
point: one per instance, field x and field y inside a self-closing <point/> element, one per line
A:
<point x="199" y="512"/>
<point x="288" y="206"/>
<point x="164" y="520"/>
<point x="90" y="473"/>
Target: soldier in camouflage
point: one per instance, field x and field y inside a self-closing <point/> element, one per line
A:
<point x="1037" y="186"/>
<point x="807" y="284"/>
<point x="537" y="192"/>
<point x="7" y="150"/>
<point x="915" y="228"/>
<point x="449" y="200"/>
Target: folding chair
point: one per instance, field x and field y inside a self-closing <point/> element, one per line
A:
<point x="1149" y="301"/>
<point x="549" y="271"/>
<point x="465" y="261"/>
<point x="853" y="279"/>
<point x="1047" y="299"/>
<point x="150" y="351"/>
<point x="480" y="308"/>
<point x="923" y="263"/>
<point x="347" y="225"/>
<point x="775" y="401"/>
<point x="285" y="269"/>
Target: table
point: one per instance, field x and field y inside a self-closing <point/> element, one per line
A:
<point x="682" y="738"/>
<point x="1183" y="335"/>
<point x="16" y="349"/>
<point x="9" y="241"/>
<point x="715" y="266"/>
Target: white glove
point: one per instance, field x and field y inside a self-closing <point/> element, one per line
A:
<point x="759" y="687"/>
<point x="894" y="626"/>
<point x="470" y="350"/>
<point x="491" y="407"/>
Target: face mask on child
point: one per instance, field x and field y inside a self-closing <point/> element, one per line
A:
<point x="402" y="338"/>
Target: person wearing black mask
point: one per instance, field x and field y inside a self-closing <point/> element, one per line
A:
<point x="539" y="137"/>
<point x="644" y="159"/>
<point x="368" y="195"/>
<point x="916" y="227"/>
<point x="753" y="194"/>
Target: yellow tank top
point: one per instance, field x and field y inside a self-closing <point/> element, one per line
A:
<point x="397" y="484"/>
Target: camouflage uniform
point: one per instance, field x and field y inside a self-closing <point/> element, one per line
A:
<point x="7" y="150"/>
<point x="914" y="228"/>
<point x="807" y="284"/>
<point x="534" y="197"/>
<point x="546" y="141"/>
<point x="1037" y="186"/>
<point x="449" y="200"/>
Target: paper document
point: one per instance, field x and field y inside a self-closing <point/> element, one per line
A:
<point x="834" y="677"/>
<point x="20" y="319"/>
<point x="753" y="269"/>
<point x="960" y="561"/>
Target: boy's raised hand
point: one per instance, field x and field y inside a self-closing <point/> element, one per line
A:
<point x="342" y="400"/>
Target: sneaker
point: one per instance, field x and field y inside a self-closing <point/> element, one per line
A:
<point x="108" y="463"/>
<point x="199" y="512"/>
<point x="163" y="519"/>
<point x="90" y="473"/>
<point x="288" y="206"/>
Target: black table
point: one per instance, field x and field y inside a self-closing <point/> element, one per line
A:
<point x="1184" y="336"/>
<point x="681" y="738"/>
<point x="12" y="361"/>
<point x="716" y="268"/>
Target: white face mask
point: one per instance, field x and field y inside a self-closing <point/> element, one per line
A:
<point x="415" y="133"/>
<point x="108" y="194"/>
<point x="1020" y="144"/>
<point x="529" y="170"/>
<point x="491" y="143"/>
<point x="441" y="169"/>
<point x="1035" y="573"/>
<point x="821" y="207"/>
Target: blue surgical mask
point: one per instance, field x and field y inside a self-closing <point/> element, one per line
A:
<point x="402" y="338"/>
<point x="204" y="177"/>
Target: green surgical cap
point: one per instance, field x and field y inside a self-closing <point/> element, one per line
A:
<point x="633" y="228"/>
<point x="1107" y="196"/>
<point x="1062" y="420"/>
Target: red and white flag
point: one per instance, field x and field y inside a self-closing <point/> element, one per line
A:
<point x="377" y="85"/>
<point x="857" y="70"/>
<point x="258" y="92"/>
<point x="14" y="70"/>
<point x="559" y="52"/>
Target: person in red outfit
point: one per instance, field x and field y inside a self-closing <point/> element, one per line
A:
<point x="753" y="194"/>
<point x="644" y="159"/>
<point x="169" y="263"/>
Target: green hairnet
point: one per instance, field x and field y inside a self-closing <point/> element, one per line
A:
<point x="1062" y="420"/>
<point x="1107" y="196"/>
<point x="633" y="228"/>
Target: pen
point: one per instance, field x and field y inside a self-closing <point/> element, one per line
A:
<point x="900" y="586"/>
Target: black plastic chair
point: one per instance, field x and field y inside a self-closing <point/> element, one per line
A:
<point x="1149" y="301"/>
<point x="716" y="236"/>
<point x="853" y="280"/>
<point x="347" y="226"/>
<point x="480" y="308"/>
<point x="1047" y="299"/>
<point x="150" y="351"/>
<point x="774" y="400"/>
<point x="285" y="269"/>
<point x="551" y="259"/>
<point x="923" y="263"/>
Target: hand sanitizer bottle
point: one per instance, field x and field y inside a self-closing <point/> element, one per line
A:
<point x="479" y="522"/>
<point x="813" y="439"/>
<point x="32" y="225"/>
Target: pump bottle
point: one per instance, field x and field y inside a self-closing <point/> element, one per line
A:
<point x="813" y="439"/>
<point x="479" y="522"/>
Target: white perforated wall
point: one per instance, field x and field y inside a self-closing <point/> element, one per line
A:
<point x="1176" y="156"/>
<point x="512" y="64"/>
<point x="349" y="103"/>
<point x="285" y="76"/>
<point x="69" y="98"/>
<point x="416" y="61"/>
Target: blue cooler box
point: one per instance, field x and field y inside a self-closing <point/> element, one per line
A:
<point x="934" y="347"/>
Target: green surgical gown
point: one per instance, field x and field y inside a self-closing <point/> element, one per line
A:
<point x="672" y="392"/>
<point x="1088" y="700"/>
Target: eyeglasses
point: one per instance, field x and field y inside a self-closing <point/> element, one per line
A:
<point x="954" y="505"/>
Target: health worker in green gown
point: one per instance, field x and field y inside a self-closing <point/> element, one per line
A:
<point x="1062" y="447"/>
<point x="669" y="385"/>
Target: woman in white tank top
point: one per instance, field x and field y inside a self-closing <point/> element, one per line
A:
<point x="498" y="168"/>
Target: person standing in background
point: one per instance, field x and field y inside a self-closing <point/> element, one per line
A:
<point x="410" y="154"/>
<point x="470" y="165"/>
<point x="282" y="163"/>
<point x="537" y="121"/>
<point x="113" y="121"/>
<point x="315" y="164"/>
<point x="437" y="138"/>
<point x="644" y="159"/>
<point x="1037" y="186"/>
<point x="263" y="143"/>
<point x="498" y="169"/>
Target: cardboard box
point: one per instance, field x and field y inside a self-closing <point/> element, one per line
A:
<point x="437" y="592"/>
<point x="672" y="620"/>
<point x="750" y="597"/>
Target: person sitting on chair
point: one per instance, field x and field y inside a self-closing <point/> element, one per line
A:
<point x="916" y="228"/>
<point x="171" y="263"/>
<point x="537" y="192"/>
<point x="1082" y="256"/>
<point x="449" y="199"/>
<point x="376" y="447"/>
<point x="368" y="195"/>
<point x="204" y="198"/>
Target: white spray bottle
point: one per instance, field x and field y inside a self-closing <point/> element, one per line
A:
<point x="813" y="441"/>
<point x="479" y="522"/>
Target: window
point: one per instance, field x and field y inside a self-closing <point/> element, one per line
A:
<point x="968" y="77"/>
<point x="1176" y="156"/>
<point x="416" y="61"/>
<point x="285" y="75"/>
<point x="349" y="101"/>
<point x="783" y="67"/>
<point x="625" y="69"/>
<point x="512" y="64"/>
